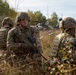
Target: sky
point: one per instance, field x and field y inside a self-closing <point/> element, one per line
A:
<point x="63" y="8"/>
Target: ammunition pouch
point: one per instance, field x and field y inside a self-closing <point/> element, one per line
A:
<point x="74" y="49"/>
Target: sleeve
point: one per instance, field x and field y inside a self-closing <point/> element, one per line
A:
<point x="37" y="40"/>
<point x="11" y="45"/>
<point x="54" y="48"/>
<point x="54" y="52"/>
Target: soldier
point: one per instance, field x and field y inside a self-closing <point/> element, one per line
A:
<point x="6" y="25"/>
<point x="23" y="39"/>
<point x="62" y="48"/>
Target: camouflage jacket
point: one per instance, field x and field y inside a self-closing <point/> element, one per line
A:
<point x="61" y="45"/>
<point x="13" y="41"/>
<point x="3" y="37"/>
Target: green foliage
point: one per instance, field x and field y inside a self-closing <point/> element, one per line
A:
<point x="43" y="20"/>
<point x="6" y="10"/>
<point x="12" y="13"/>
<point x="36" y="17"/>
<point x="54" y="19"/>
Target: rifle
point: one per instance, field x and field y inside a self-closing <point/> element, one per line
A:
<point x="30" y="40"/>
<point x="43" y="56"/>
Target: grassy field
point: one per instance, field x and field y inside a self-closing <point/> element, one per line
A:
<point x="46" y="42"/>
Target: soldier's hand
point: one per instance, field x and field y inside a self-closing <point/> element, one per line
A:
<point x="24" y="46"/>
<point x="27" y="44"/>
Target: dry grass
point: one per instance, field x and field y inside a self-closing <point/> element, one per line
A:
<point x="30" y="66"/>
<point x="46" y="41"/>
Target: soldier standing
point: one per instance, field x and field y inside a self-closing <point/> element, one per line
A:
<point x="23" y="39"/>
<point x="6" y="25"/>
<point x="62" y="48"/>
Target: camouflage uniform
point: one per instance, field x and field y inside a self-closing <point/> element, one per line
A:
<point x="61" y="50"/>
<point x="30" y="34"/>
<point x="7" y="24"/>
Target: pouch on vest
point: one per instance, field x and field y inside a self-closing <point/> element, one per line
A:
<point x="74" y="49"/>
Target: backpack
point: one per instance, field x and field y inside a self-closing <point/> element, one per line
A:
<point x="63" y="47"/>
<point x="68" y="45"/>
<point x="3" y="37"/>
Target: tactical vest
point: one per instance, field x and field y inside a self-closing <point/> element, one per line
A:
<point x="62" y="45"/>
<point x="26" y="34"/>
<point x="3" y="37"/>
<point x="21" y="37"/>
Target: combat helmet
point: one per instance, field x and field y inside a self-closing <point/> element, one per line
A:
<point x="8" y="21"/>
<point x="67" y="22"/>
<point x="22" y="16"/>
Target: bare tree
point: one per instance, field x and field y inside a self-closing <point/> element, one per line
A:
<point x="17" y="3"/>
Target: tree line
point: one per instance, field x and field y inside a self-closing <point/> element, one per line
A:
<point x="35" y="17"/>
